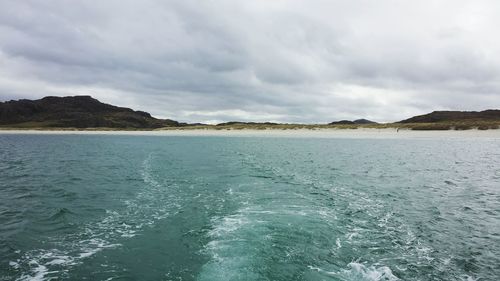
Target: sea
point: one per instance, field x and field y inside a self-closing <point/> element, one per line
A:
<point x="249" y="207"/>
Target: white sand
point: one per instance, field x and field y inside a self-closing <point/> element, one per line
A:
<point x="367" y="133"/>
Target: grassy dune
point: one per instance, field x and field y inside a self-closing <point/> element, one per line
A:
<point x="455" y="125"/>
<point x="458" y="125"/>
<point x="406" y="126"/>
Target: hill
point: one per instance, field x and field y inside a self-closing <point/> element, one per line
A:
<point x="355" y="122"/>
<point x="457" y="120"/>
<point x="75" y="112"/>
<point x="455" y="116"/>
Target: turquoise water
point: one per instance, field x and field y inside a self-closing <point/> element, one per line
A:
<point x="104" y="207"/>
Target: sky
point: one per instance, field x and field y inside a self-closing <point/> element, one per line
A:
<point x="307" y="61"/>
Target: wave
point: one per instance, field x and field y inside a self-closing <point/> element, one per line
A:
<point x="147" y="207"/>
<point x="224" y="264"/>
<point x="360" y="272"/>
<point x="351" y="214"/>
<point x="232" y="254"/>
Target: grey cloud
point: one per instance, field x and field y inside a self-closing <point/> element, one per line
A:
<point x="290" y="61"/>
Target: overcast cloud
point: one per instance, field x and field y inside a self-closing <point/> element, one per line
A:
<point x="306" y="61"/>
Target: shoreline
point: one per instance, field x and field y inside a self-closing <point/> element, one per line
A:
<point x="294" y="133"/>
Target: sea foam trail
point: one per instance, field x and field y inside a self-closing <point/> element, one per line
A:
<point x="144" y="210"/>
<point x="236" y="252"/>
<point x="360" y="272"/>
<point x="263" y="228"/>
<point x="230" y="258"/>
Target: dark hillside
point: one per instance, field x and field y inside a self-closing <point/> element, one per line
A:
<point x="453" y="116"/>
<point x="75" y="111"/>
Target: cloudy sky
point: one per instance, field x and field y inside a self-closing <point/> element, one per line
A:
<point x="308" y="61"/>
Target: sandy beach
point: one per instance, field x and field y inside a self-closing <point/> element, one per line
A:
<point x="388" y="133"/>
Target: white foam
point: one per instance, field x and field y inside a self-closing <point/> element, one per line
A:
<point x="352" y="235"/>
<point x="227" y="224"/>
<point x="14" y="264"/>
<point x="315" y="268"/>
<point x="360" y="272"/>
<point x="372" y="273"/>
<point x="230" y="259"/>
<point x="39" y="273"/>
<point x="98" y="236"/>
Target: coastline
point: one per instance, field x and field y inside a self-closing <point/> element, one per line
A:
<point x="381" y="133"/>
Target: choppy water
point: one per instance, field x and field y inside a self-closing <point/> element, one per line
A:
<point x="80" y="207"/>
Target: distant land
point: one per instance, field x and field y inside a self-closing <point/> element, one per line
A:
<point x="447" y="116"/>
<point x="87" y="113"/>
<point x="75" y="112"/>
<point x="348" y="122"/>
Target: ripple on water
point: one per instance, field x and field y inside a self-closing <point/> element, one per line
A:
<point x="276" y="209"/>
<point x="359" y="272"/>
<point x="72" y="249"/>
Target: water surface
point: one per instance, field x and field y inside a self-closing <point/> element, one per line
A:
<point x="108" y="207"/>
